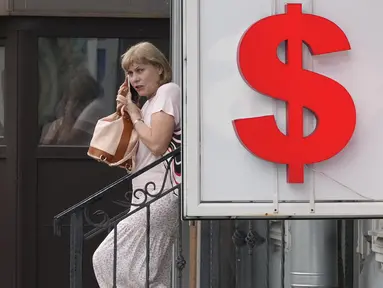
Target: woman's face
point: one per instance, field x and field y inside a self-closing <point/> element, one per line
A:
<point x="144" y="78"/>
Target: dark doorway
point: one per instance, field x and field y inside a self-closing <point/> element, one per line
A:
<point x="65" y="77"/>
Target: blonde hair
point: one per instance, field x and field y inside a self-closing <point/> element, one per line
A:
<point x="147" y="53"/>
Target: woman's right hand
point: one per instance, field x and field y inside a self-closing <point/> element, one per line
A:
<point x="123" y="90"/>
<point x="119" y="106"/>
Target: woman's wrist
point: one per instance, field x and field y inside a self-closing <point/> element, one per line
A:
<point x="136" y="121"/>
<point x="135" y="116"/>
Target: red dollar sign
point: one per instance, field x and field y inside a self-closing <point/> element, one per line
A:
<point x="327" y="99"/>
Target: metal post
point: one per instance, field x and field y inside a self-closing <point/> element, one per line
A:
<point x="313" y="258"/>
<point x="176" y="41"/>
<point x="76" y="248"/>
<point x="176" y="63"/>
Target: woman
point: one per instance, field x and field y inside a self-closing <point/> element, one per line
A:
<point x="149" y="73"/>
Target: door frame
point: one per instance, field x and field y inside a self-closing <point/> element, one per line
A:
<point x="8" y="153"/>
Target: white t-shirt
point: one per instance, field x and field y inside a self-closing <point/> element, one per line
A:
<point x="168" y="100"/>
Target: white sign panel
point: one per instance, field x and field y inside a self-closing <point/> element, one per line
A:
<point x="224" y="179"/>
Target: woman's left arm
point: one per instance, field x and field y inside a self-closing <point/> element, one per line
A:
<point x="164" y="118"/>
<point x="157" y="137"/>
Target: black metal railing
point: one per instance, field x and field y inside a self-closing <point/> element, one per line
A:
<point x="84" y="227"/>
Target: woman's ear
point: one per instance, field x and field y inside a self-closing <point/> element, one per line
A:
<point x="160" y="70"/>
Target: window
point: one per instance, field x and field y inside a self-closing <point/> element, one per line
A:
<point x="78" y="81"/>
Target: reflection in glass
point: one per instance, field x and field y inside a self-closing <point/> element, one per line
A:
<point x="78" y="83"/>
<point x="2" y="70"/>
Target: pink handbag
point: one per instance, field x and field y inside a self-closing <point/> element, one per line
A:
<point x="113" y="141"/>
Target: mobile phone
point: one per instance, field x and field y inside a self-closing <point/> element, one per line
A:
<point x="135" y="96"/>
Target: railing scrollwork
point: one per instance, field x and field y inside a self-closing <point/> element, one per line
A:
<point x="85" y="224"/>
